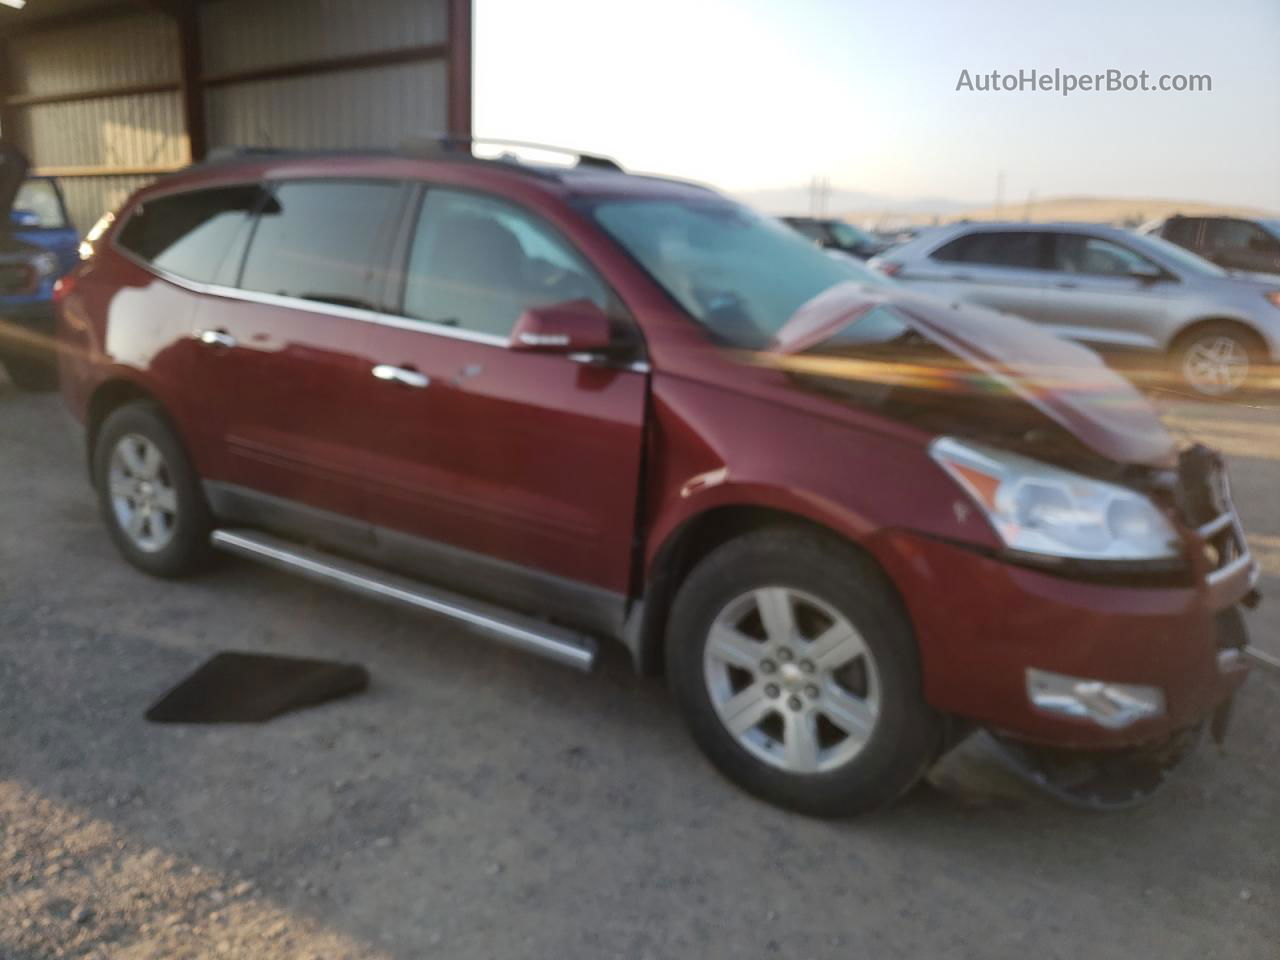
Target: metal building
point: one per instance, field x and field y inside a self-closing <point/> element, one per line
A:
<point x="107" y="95"/>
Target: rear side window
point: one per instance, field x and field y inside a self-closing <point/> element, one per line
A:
<point x="198" y="235"/>
<point x="1182" y="231"/>
<point x="1008" y="248"/>
<point x="324" y="241"/>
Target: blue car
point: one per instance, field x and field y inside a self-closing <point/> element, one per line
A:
<point x="37" y="246"/>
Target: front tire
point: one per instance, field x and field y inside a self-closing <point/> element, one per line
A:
<point x="798" y="674"/>
<point x="1218" y="359"/>
<point x="149" y="494"/>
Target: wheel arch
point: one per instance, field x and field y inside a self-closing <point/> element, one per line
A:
<point x="1181" y="336"/>
<point x="693" y="540"/>
<point x="106" y="398"/>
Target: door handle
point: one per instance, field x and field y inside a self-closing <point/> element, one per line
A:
<point x="1066" y="285"/>
<point x="216" y="338"/>
<point x="402" y="375"/>
<point x="960" y="276"/>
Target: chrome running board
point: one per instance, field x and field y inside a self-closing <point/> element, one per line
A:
<point x="556" y="643"/>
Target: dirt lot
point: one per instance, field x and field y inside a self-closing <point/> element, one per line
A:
<point x="481" y="803"/>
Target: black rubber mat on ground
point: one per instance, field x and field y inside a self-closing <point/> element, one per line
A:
<point x="253" y="687"/>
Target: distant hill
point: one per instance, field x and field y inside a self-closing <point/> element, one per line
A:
<point x="876" y="211"/>
<point x="1130" y="211"/>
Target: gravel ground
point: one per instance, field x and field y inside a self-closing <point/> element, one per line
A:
<point x="480" y="803"/>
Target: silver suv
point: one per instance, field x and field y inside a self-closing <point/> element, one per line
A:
<point x="1107" y="287"/>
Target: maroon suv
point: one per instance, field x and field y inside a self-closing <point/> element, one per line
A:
<point x="568" y="403"/>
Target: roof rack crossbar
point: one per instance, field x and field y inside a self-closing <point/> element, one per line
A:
<point x="457" y="143"/>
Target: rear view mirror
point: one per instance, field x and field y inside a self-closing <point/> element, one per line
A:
<point x="577" y="326"/>
<point x="24" y="218"/>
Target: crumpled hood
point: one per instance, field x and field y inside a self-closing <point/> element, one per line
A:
<point x="1064" y="381"/>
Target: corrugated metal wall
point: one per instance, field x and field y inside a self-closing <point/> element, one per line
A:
<point x="363" y="106"/>
<point x="244" y="35"/>
<point x="137" y="130"/>
<point x="375" y="106"/>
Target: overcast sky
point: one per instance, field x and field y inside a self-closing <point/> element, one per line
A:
<point x="752" y="94"/>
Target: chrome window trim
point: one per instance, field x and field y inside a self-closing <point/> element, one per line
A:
<point x="350" y="313"/>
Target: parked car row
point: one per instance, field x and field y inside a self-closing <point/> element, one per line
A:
<point x="566" y="404"/>
<point x="1108" y="288"/>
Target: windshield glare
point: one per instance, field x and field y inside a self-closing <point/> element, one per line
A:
<point x="738" y="273"/>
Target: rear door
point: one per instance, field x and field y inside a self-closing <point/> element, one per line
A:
<point x="1095" y="297"/>
<point x="510" y="473"/>
<point x="1000" y="269"/>
<point x="283" y="368"/>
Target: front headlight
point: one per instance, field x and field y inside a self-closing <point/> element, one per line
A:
<point x="1047" y="511"/>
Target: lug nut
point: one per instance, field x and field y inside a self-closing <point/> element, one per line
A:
<point x="767" y="666"/>
<point x="811" y="692"/>
<point x="794" y="703"/>
<point x="771" y="690"/>
<point x="806" y="666"/>
<point x="784" y="654"/>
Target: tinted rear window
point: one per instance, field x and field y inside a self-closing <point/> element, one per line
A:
<point x="197" y="235"/>
<point x="1009" y="248"/>
<point x="324" y="241"/>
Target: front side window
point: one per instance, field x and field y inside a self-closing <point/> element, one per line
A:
<point x="1078" y="253"/>
<point x="1002" y="248"/>
<point x="1238" y="235"/>
<point x="477" y="263"/>
<point x="40" y="198"/>
<point x="324" y="241"/>
<point x="197" y="235"/>
<point x="850" y="236"/>
<point x="811" y="229"/>
<point x="739" y="274"/>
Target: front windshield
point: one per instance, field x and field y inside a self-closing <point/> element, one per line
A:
<point x="1272" y="227"/>
<point x="850" y="236"/>
<point x="738" y="273"/>
<point x="1182" y="257"/>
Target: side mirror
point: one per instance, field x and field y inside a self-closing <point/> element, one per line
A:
<point x="576" y="326"/>
<point x="24" y="218"/>
<point x="1146" y="272"/>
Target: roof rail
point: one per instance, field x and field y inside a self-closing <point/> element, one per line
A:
<point x="452" y="143"/>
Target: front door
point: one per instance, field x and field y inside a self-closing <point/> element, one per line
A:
<point x="1096" y="296"/>
<point x="524" y="467"/>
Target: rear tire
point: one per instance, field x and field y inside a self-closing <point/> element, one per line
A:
<point x="149" y="494"/>
<point x="1218" y="360"/>
<point x="798" y="675"/>
<point x="32" y="375"/>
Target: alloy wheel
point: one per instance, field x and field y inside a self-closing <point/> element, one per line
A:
<point x="1216" y="365"/>
<point x="792" y="680"/>
<point x="142" y="493"/>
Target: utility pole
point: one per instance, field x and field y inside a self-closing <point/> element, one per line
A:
<point x="1031" y="199"/>
<point x="999" y="194"/>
